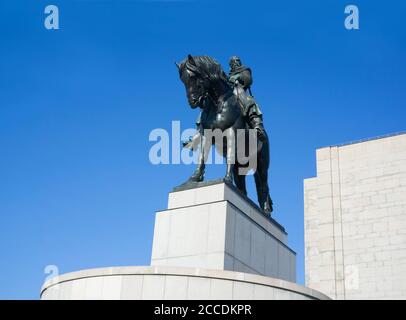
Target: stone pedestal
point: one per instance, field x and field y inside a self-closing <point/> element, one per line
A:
<point x="213" y="226"/>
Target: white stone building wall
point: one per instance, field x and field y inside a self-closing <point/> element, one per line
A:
<point x="355" y="220"/>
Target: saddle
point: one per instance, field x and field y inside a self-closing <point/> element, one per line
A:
<point x="245" y="101"/>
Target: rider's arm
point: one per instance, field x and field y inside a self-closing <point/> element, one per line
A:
<point x="245" y="78"/>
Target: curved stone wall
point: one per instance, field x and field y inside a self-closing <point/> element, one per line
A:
<point x="135" y="283"/>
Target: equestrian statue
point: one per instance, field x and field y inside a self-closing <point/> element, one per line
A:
<point x="227" y="106"/>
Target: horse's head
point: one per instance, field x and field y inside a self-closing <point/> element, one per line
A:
<point x="199" y="75"/>
<point x="196" y="84"/>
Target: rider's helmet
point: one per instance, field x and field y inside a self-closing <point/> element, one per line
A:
<point x="235" y="62"/>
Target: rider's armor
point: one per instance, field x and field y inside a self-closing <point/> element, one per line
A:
<point x="240" y="78"/>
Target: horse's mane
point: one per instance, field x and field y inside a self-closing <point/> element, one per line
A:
<point x="205" y="66"/>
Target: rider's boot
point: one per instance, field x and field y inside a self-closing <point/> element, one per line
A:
<point x="255" y="122"/>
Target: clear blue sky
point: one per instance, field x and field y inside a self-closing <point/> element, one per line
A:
<point x="77" y="189"/>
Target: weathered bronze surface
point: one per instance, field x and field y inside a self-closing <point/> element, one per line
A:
<point x="226" y="106"/>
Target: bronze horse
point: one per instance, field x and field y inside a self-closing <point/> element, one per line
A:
<point x="207" y="86"/>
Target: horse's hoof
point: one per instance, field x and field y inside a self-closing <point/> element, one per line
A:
<point x="267" y="209"/>
<point x="228" y="179"/>
<point x="197" y="177"/>
<point x="267" y="212"/>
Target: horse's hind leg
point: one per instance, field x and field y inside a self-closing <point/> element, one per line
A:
<point x="261" y="182"/>
<point x="264" y="199"/>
